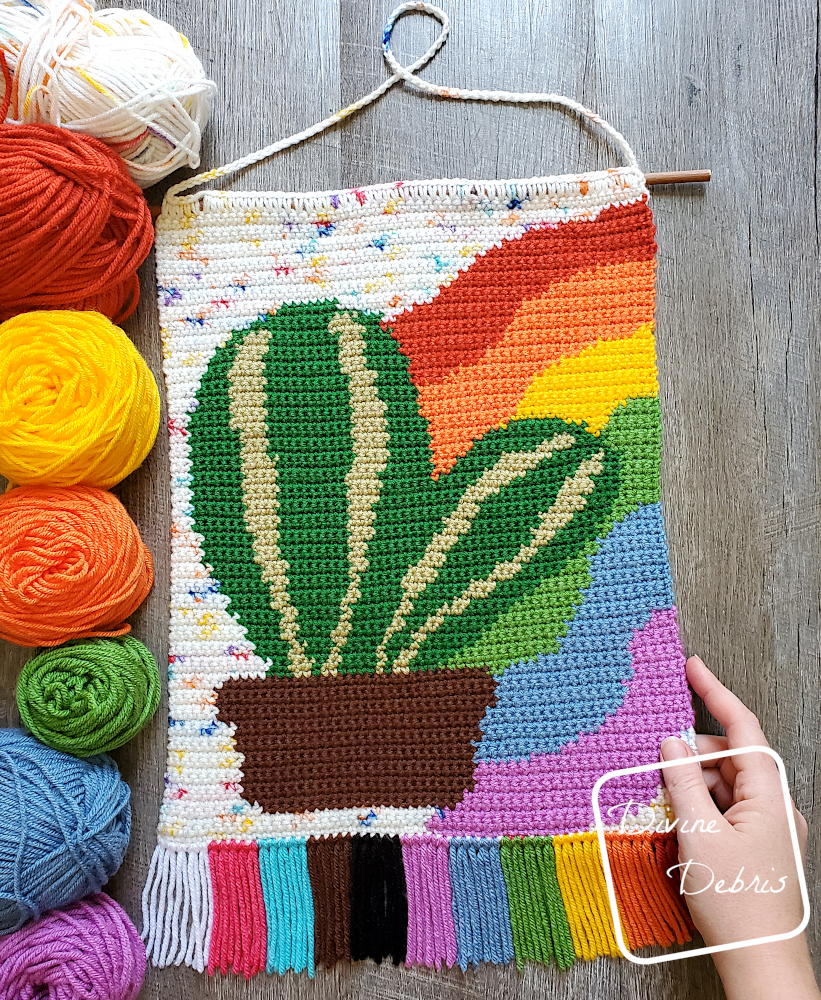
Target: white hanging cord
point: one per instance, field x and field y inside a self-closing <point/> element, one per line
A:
<point x="408" y="74"/>
<point x="502" y="96"/>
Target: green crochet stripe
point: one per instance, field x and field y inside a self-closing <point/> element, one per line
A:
<point x="634" y="433"/>
<point x="504" y="524"/>
<point x="218" y="508"/>
<point x="309" y="438"/>
<point x="533" y="625"/>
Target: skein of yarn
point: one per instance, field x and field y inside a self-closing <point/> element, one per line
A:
<point x="121" y="76"/>
<point x="90" y="695"/>
<point x="78" y="404"/>
<point x="88" y="951"/>
<point x="64" y="827"/>
<point x="74" y="227"/>
<point x="72" y="565"/>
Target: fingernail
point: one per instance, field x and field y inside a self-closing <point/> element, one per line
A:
<point x="674" y="749"/>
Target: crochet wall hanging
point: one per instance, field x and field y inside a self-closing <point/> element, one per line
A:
<point x="420" y="589"/>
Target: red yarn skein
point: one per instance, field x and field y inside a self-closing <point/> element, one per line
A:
<point x="74" y="227"/>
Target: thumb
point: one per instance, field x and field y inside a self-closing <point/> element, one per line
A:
<point x="689" y="794"/>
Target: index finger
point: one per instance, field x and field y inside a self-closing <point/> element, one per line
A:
<point x="740" y="724"/>
<point x="757" y="774"/>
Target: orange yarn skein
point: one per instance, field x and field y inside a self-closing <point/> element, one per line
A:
<point x="72" y="565"/>
<point x="74" y="227"/>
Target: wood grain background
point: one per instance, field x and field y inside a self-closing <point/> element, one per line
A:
<point x="692" y="83"/>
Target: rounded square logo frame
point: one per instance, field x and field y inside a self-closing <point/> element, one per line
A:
<point x="608" y="875"/>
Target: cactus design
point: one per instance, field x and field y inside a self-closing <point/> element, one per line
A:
<point x="324" y="520"/>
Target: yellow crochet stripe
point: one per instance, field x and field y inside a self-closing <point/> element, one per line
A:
<point x="584" y="892"/>
<point x="591" y="385"/>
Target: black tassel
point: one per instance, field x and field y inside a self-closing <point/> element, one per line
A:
<point x="379" y="900"/>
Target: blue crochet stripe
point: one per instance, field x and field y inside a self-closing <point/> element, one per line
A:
<point x="289" y="905"/>
<point x="480" y="905"/>
<point x="543" y="704"/>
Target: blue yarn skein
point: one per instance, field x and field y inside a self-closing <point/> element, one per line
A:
<point x="64" y="826"/>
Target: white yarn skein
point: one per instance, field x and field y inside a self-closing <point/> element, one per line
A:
<point x="122" y="76"/>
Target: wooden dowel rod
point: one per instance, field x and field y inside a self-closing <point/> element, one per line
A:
<point x="678" y="177"/>
<point x="668" y="177"/>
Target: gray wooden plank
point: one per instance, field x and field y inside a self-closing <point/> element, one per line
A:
<point x="724" y="338"/>
<point x="732" y="87"/>
<point x="276" y="68"/>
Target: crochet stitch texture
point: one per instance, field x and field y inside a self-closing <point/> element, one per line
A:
<point x="420" y="592"/>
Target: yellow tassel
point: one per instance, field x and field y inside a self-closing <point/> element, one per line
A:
<point x="584" y="891"/>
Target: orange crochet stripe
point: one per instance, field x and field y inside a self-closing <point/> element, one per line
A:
<point x="472" y="313"/>
<point x="605" y="303"/>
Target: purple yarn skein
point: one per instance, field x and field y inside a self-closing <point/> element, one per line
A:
<point x="88" y="950"/>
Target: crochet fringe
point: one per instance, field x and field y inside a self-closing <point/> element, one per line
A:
<point x="178" y="909"/>
<point x="291" y="903"/>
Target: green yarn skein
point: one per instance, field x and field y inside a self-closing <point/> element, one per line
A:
<point x="89" y="695"/>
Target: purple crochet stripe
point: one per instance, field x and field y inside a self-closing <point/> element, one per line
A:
<point x="550" y="794"/>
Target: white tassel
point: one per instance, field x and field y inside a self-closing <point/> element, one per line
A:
<point x="177" y="908"/>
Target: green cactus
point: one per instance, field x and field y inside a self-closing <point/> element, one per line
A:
<point x="313" y="491"/>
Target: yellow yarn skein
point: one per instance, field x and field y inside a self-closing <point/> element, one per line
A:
<point x="78" y="404"/>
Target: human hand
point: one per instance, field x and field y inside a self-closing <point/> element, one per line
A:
<point x="737" y="861"/>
